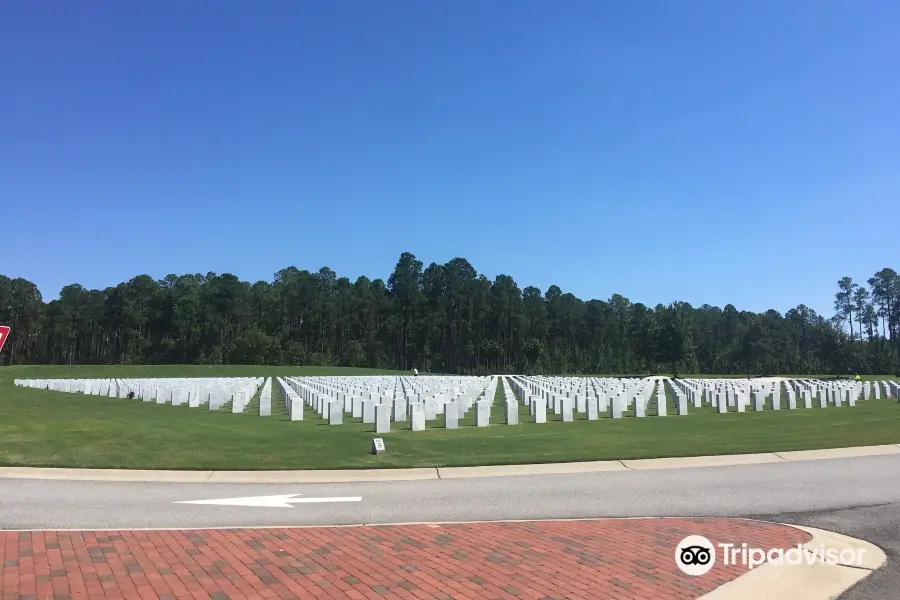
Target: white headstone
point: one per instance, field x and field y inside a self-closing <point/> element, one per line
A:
<point x="482" y="413"/>
<point x="592" y="412"/>
<point x="512" y="413"/>
<point x="451" y="416"/>
<point x="615" y="407"/>
<point x="639" y="408"/>
<point x="540" y="410"/>
<point x="335" y="413"/>
<point x="566" y="408"/>
<point x="417" y="416"/>
<point x="383" y="418"/>
<point x="368" y="411"/>
<point x="400" y="409"/>
<point x="296" y="408"/>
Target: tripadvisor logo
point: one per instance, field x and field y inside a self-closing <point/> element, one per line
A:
<point x="695" y="555"/>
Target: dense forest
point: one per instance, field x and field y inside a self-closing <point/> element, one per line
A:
<point x="443" y="318"/>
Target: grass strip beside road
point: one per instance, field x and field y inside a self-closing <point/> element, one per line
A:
<point x="55" y="429"/>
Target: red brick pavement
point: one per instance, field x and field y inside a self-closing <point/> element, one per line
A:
<point x="603" y="559"/>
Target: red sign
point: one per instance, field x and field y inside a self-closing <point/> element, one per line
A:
<point x="4" y="333"/>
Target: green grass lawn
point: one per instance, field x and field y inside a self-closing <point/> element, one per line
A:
<point x="40" y="428"/>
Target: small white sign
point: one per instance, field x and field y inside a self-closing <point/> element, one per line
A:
<point x="377" y="446"/>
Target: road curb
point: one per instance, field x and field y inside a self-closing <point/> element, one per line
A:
<point x="435" y="473"/>
<point x="817" y="581"/>
<point x="600" y="466"/>
<point x="374" y="524"/>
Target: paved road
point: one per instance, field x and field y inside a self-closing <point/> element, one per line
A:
<point x="878" y="524"/>
<point x="856" y="496"/>
<point x="766" y="489"/>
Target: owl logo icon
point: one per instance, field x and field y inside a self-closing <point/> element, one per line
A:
<point x="695" y="555"/>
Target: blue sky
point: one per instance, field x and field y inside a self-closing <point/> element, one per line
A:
<point x="705" y="151"/>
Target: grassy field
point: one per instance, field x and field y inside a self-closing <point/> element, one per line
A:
<point x="40" y="428"/>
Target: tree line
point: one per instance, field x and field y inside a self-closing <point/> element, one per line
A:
<point x="445" y="318"/>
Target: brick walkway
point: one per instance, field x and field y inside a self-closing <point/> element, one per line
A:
<point x="603" y="559"/>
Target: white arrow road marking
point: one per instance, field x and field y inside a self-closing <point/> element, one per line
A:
<point x="279" y="501"/>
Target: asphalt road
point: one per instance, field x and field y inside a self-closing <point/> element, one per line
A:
<point x="713" y="491"/>
<point x="856" y="496"/>
<point x="879" y="525"/>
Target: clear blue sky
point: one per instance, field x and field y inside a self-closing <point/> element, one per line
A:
<point x="706" y="151"/>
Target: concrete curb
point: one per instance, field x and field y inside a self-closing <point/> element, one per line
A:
<point x="374" y="524"/>
<point x="600" y="466"/>
<point x="428" y="473"/>
<point x="817" y="581"/>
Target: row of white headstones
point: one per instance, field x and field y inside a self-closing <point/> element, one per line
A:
<point x="382" y="400"/>
<point x="212" y="392"/>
